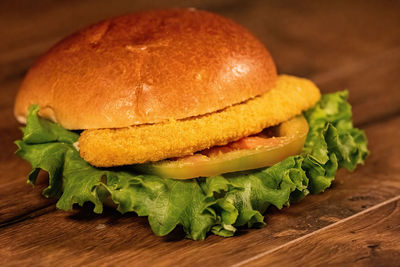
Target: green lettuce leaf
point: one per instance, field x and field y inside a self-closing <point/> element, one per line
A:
<point x="217" y="204"/>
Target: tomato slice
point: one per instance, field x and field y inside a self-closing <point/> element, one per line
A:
<point x="264" y="149"/>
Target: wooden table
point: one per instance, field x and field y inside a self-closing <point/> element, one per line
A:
<point x="340" y="44"/>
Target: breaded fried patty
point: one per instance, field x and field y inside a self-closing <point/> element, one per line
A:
<point x="154" y="142"/>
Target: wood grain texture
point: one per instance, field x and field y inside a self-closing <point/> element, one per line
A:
<point x="369" y="238"/>
<point x="372" y="83"/>
<point x="338" y="44"/>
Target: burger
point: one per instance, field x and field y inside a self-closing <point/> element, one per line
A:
<point x="179" y="115"/>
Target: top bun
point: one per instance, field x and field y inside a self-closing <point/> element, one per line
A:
<point x="147" y="68"/>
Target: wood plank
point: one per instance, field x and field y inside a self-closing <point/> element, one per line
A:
<point x="372" y="83"/>
<point x="370" y="238"/>
<point x="80" y="237"/>
<point x="310" y="37"/>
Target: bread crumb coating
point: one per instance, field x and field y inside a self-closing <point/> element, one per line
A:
<point x="175" y="138"/>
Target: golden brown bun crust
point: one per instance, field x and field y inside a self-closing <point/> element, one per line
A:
<point x="147" y="68"/>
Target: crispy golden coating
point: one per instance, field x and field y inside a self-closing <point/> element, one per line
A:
<point x="153" y="142"/>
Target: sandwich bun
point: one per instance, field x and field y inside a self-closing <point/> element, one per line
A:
<point x="146" y="68"/>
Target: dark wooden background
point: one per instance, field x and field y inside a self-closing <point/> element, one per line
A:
<point x="352" y="45"/>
